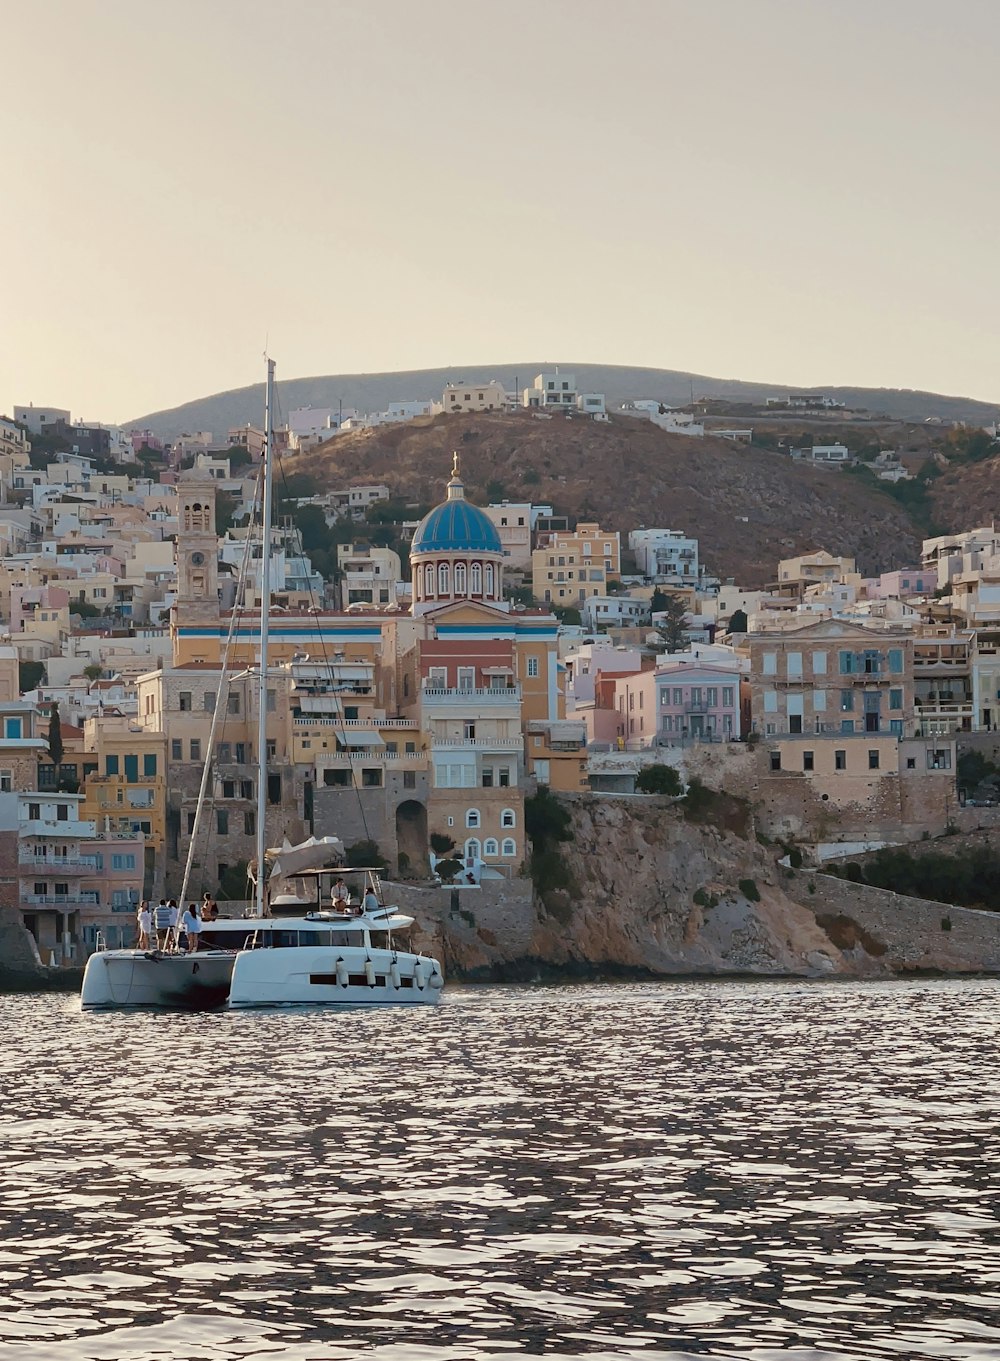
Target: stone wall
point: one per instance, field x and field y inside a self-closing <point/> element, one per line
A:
<point x="475" y="931"/>
<point x="880" y="931"/>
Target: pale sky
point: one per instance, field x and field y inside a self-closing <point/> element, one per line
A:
<point x="788" y="191"/>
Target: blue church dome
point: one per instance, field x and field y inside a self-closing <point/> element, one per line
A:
<point x="456" y="527"/>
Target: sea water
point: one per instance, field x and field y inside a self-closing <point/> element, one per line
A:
<point x="732" y="1169"/>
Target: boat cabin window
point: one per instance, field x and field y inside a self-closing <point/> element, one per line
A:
<point x="380" y="940"/>
<point x="291" y="939"/>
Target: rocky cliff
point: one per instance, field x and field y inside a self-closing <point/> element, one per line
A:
<point x="646" y="892"/>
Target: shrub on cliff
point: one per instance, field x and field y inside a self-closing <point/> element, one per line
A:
<point x="726" y="811"/>
<point x="658" y="779"/>
<point x="547" y="823"/>
<point x="749" y="889"/>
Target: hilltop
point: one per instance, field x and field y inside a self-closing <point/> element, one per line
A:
<point x="374" y="391"/>
<point x="747" y="506"/>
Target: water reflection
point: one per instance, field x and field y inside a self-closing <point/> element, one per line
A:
<point x="731" y="1170"/>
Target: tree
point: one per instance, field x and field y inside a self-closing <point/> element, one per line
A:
<point x="495" y="491"/>
<point x="84" y="609"/>
<point x="441" y="843"/>
<point x="94" y="671"/>
<point x="55" y="737"/>
<point x="233" y="883"/>
<point x="310" y="521"/>
<point x="671" y="627"/>
<point x="29" y="675"/>
<point x="567" y="614"/>
<point x="738" y="622"/>
<point x="225" y="512"/>
<point x="658" y="779"/>
<point x="658" y="601"/>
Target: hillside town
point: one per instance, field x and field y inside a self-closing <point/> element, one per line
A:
<point x="434" y="665"/>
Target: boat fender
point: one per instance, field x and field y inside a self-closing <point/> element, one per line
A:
<point x="341" y="973"/>
<point x="436" y="981"/>
<point x="196" y="967"/>
<point x="419" y="975"/>
<point x="394" y="975"/>
<point x="370" y="973"/>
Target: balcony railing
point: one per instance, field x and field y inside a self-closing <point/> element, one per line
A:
<point x="86" y="864"/>
<point x="66" y="900"/>
<point x="367" y="756"/>
<point x="480" y="743"/>
<point x="508" y="694"/>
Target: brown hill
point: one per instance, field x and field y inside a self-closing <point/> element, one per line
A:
<point x="748" y="507"/>
<point x="967" y="496"/>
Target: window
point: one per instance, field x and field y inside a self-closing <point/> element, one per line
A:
<point x="6" y="781"/>
<point x="233" y="702"/>
<point x="472" y="849"/>
<point x="490" y="847"/>
<point x="846" y="701"/>
<point x="224" y="753"/>
<point x="542" y="772"/>
<point x="489" y="579"/>
<point x="508" y="848"/>
<point x="532" y="666"/>
<point x="111" y="765"/>
<point x="409" y="779"/>
<point x="249" y="823"/>
<point x="472" y="817"/>
<point x="466" y="677"/>
<point x="240" y="753"/>
<point x="847" y="725"/>
<point x="896" y="660"/>
<point x="34" y="812"/>
<point x="371" y="778"/>
<point x="819" y="701"/>
<point x="195" y="749"/>
<point x="208" y="701"/>
<point x="62" y="812"/>
<point x="848" y="663"/>
<point x="911" y="763"/>
<point x="443" y="578"/>
<point x="460" y="578"/>
<point x="149" y="764"/>
<point x="131" y="769"/>
<point x="819" y="663"/>
<point x="469" y="731"/>
<point x="229" y="789"/>
<point x="678" y="695"/>
<point x="770" y="701"/>
<point x="711" y="697"/>
<point x="770" y="663"/>
<point x="476" y="578"/>
<point x="775" y="760"/>
<point x="873" y="760"/>
<point x="409" y="748"/>
<point x="272" y="701"/>
<point x="184" y="701"/>
<point x="808" y="762"/>
<point x="503" y="777"/>
<point x="840" y="760"/>
<point x="176" y="749"/>
<point x="508" y="818"/>
<point x="13" y="727"/>
<point x="487" y="777"/>
<point x="123" y="862"/>
<point x="794" y="660"/>
<point x="246" y="789"/>
<point x="939" y="759"/>
<point x="222" y="821"/>
<point x="895" y="699"/>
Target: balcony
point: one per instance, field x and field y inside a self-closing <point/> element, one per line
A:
<point x="501" y="744"/>
<point x="368" y="756"/>
<point x="67" y="901"/>
<point x="84" y="864"/>
<point x="495" y="696"/>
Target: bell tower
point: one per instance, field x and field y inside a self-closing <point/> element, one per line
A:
<point x="197" y="553"/>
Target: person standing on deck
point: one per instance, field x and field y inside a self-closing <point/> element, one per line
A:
<point x="192" y="927"/>
<point x="161" y="920"/>
<point x="145" y="920"/>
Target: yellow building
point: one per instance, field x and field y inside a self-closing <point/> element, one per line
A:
<point x="125" y="778"/>
<point x="573" y="564"/>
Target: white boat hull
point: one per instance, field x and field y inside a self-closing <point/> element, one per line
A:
<point x="332" y="976"/>
<point x="137" y="978"/>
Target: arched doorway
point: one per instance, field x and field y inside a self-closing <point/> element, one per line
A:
<point x="411" y="838"/>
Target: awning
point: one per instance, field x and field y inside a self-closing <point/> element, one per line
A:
<point x="362" y="738"/>
<point x="497" y="671"/>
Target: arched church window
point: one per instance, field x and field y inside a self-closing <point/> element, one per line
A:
<point x="443" y="575"/>
<point x="460" y="575"/>
<point x="477" y="578"/>
<point x="428" y="580"/>
<point x="489" y="578"/>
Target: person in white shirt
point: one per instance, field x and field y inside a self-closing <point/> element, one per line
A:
<point x="174" y="918"/>
<point x="191" y="922"/>
<point x="145" y="920"/>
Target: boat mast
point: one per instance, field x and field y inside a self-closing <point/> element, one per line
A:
<point x="265" y="619"/>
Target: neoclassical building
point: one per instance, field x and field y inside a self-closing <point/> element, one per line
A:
<point x="456" y="554"/>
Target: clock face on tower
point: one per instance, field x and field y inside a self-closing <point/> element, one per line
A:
<point x="197" y="559"/>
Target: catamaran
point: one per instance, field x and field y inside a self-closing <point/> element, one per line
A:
<point x="301" y="942"/>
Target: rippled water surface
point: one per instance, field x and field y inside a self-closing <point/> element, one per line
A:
<point x="732" y="1170"/>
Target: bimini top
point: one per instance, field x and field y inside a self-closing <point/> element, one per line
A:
<point x="457" y="526"/>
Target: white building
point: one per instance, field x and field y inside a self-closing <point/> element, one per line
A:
<point x="666" y="418"/>
<point x="823" y="453"/>
<point x="553" y="389"/>
<point x="34" y="417"/>
<point x="666" y="556"/>
<point x="370" y="575"/>
<point x="513" y="520"/>
<point x="617" y="611"/>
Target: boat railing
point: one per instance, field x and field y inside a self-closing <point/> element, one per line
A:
<point x="100" y="943"/>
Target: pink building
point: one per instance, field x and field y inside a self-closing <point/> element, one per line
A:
<point x="625" y="708"/>
<point x="697" y="700"/>
<point x="29" y="603"/>
<point x="899" y="585"/>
